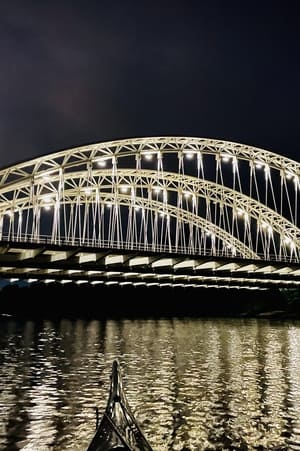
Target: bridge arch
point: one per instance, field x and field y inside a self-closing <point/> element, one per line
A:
<point x="199" y="169"/>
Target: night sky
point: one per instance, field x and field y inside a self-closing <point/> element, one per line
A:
<point x="79" y="72"/>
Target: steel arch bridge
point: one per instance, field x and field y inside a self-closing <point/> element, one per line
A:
<point x="192" y="200"/>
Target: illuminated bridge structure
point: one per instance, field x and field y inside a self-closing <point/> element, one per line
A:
<point x="168" y="211"/>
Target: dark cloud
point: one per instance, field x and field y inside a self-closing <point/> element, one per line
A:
<point x="80" y="72"/>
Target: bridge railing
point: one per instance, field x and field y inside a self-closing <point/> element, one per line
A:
<point x="135" y="246"/>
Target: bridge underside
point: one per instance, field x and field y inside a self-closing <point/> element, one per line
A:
<point x="49" y="263"/>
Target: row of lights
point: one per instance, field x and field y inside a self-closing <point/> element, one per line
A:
<point x="148" y="155"/>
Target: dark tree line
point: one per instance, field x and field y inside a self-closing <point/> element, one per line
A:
<point x="70" y="300"/>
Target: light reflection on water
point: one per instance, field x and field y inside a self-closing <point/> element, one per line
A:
<point x="204" y="384"/>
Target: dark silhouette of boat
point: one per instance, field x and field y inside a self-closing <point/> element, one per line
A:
<point x="118" y="429"/>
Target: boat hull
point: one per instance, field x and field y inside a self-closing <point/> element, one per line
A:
<point x="118" y="428"/>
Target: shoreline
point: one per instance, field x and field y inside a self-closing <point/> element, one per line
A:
<point x="55" y="301"/>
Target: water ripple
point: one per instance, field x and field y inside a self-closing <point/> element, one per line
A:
<point x="200" y="384"/>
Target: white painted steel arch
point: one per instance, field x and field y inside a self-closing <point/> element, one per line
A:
<point x="245" y="197"/>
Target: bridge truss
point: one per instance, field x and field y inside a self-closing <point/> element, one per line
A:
<point x="183" y="195"/>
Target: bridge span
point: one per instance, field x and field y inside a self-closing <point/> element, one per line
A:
<point x="158" y="210"/>
<point x="110" y="265"/>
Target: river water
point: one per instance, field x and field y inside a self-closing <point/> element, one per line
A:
<point x="206" y="384"/>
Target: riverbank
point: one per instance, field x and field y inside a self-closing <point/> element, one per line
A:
<point x="70" y="300"/>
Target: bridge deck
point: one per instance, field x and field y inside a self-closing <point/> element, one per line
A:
<point x="51" y="262"/>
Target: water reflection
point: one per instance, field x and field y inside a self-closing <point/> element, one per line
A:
<point x="293" y="379"/>
<point x="203" y="384"/>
